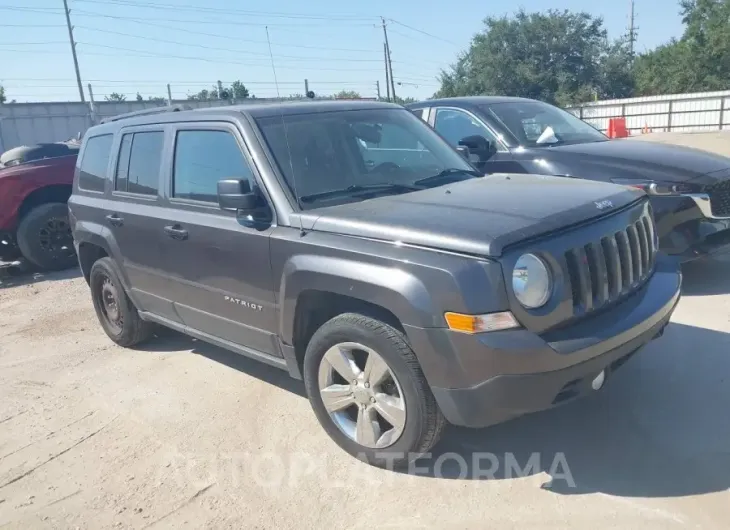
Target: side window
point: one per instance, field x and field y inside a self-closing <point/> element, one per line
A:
<point x="140" y="156"/>
<point x="92" y="171"/>
<point x="202" y="158"/>
<point x="121" y="179"/>
<point x="454" y="125"/>
<point x="394" y="137"/>
<point x="418" y="112"/>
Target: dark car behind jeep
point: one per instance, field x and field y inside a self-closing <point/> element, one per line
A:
<point x="347" y="243"/>
<point x="689" y="188"/>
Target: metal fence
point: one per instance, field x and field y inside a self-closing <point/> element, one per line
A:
<point x="32" y="123"/>
<point x="703" y="111"/>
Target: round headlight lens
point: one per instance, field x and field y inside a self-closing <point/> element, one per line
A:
<point x="531" y="281"/>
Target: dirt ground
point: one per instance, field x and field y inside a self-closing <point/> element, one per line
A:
<point x="181" y="434"/>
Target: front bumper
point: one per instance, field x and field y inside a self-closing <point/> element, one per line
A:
<point x="687" y="227"/>
<point x="494" y="377"/>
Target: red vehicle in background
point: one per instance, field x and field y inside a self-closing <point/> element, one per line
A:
<point x="35" y="183"/>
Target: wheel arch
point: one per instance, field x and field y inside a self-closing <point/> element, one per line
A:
<point x="51" y="193"/>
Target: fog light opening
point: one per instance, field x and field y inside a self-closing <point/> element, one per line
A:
<point x="597" y="383"/>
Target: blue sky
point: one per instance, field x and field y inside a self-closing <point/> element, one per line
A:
<point x="128" y="46"/>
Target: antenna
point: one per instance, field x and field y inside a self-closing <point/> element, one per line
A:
<point x="286" y="134"/>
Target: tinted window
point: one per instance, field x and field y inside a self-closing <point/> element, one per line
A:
<point x="202" y="158"/>
<point x="326" y="152"/>
<point x="120" y="182"/>
<point x="454" y="125"/>
<point x="144" y="163"/>
<point x="418" y="112"/>
<point x="92" y="170"/>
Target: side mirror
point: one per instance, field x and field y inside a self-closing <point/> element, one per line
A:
<point x="463" y="151"/>
<point x="237" y="196"/>
<point x="479" y="146"/>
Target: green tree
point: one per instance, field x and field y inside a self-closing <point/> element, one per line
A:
<point x="239" y="90"/>
<point x="3" y="98"/>
<point x="347" y="94"/>
<point x="157" y="99"/>
<point x="139" y="97"/>
<point x="404" y="101"/>
<point x="698" y="61"/>
<point x="115" y="96"/>
<point x="556" y="56"/>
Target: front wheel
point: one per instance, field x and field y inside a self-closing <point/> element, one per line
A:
<point x="368" y="391"/>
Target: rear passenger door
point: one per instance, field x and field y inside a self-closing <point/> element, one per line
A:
<point x="219" y="264"/>
<point x="134" y="215"/>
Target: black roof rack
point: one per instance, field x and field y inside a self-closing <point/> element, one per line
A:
<point x="145" y="112"/>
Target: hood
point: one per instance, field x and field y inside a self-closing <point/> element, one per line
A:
<point x="479" y="216"/>
<point x="32" y="168"/>
<point x="633" y="159"/>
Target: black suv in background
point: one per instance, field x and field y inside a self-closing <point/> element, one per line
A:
<point x="347" y="243"/>
<point x="689" y="188"/>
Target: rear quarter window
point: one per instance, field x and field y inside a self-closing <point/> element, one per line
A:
<point x="94" y="162"/>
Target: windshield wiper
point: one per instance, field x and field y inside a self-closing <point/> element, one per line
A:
<point x="377" y="186"/>
<point x="446" y="173"/>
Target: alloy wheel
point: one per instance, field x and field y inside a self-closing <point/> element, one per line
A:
<point x="362" y="395"/>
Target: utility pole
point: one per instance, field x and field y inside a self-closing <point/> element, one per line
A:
<point x="632" y="29"/>
<point x="387" y="75"/>
<point x="169" y="94"/>
<point x="73" y="49"/>
<point x="377" y="88"/>
<point x="389" y="62"/>
<point x="306" y="87"/>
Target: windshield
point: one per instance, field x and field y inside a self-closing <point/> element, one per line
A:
<point x="537" y="124"/>
<point x="337" y="157"/>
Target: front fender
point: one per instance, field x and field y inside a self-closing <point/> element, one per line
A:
<point x="393" y="288"/>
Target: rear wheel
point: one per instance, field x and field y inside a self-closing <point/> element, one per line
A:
<point x="115" y="311"/>
<point x="44" y="237"/>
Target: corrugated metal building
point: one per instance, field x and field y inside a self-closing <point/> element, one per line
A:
<point x="32" y="123"/>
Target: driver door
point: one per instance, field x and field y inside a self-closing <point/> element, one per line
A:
<point x="454" y="124"/>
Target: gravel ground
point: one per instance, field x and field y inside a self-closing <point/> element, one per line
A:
<point x="185" y="435"/>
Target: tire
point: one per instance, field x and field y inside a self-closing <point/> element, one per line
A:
<point x="423" y="422"/>
<point x="44" y="237"/>
<point x="121" y="322"/>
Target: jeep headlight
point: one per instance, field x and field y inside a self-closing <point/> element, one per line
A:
<point x="532" y="282"/>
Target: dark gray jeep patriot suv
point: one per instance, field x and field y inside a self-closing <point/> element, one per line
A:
<point x="349" y="244"/>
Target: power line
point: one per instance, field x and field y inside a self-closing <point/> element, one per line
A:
<point x="298" y="57"/>
<point x="93" y="14"/>
<point x="146" y="54"/>
<point x="226" y="11"/>
<point x="237" y="39"/>
<point x="32" y="43"/>
<point x="423" y="32"/>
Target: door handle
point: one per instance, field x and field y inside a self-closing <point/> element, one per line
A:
<point x="176" y="232"/>
<point x="115" y="220"/>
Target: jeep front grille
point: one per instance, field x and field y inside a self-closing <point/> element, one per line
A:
<point x="604" y="271"/>
<point x="720" y="198"/>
